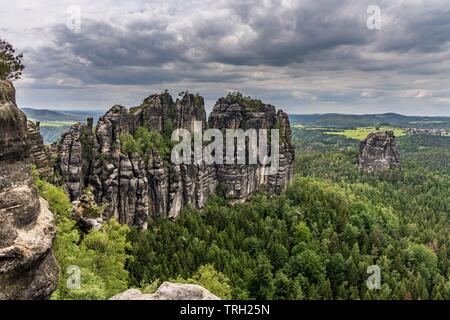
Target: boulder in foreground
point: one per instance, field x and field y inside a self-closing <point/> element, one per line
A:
<point x="28" y="270"/>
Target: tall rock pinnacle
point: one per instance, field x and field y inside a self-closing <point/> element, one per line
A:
<point x="137" y="187"/>
<point x="28" y="269"/>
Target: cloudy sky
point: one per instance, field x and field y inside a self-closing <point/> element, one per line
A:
<point x="305" y="56"/>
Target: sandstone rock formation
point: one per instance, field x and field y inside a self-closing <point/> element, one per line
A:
<point x="71" y="163"/>
<point x="240" y="181"/>
<point x="28" y="269"/>
<point x="379" y="152"/>
<point x="37" y="149"/>
<point x="136" y="187"/>
<point x="169" y="291"/>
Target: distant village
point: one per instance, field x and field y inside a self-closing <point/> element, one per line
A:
<point x="434" y="132"/>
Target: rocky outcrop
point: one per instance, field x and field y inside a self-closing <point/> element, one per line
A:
<point x="240" y="181"/>
<point x="37" y="150"/>
<point x="74" y="153"/>
<point x="135" y="187"/>
<point x="28" y="269"/>
<point x="119" y="180"/>
<point x="169" y="291"/>
<point x="379" y="152"/>
<point x="13" y="125"/>
<point x="159" y="112"/>
<point x="428" y="131"/>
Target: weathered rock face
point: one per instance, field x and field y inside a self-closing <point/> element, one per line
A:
<point x="169" y="291"/>
<point x="13" y="125"/>
<point x="70" y="160"/>
<point x="119" y="180"/>
<point x="379" y="152"/>
<point x="136" y="187"/>
<point x="240" y="181"/>
<point x="87" y="213"/>
<point x="28" y="269"/>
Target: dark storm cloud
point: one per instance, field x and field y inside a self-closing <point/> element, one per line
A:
<point x="138" y="54"/>
<point x="281" y="48"/>
<point x="105" y="45"/>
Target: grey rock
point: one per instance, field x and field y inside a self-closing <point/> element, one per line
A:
<point x="169" y="291"/>
<point x="13" y="125"/>
<point x="379" y="152"/>
<point x="137" y="189"/>
<point x="239" y="182"/>
<point x="28" y="269"/>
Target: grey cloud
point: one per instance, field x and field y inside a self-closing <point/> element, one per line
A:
<point x="270" y="48"/>
<point x="422" y="27"/>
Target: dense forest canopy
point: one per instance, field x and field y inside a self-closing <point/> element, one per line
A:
<point x="337" y="120"/>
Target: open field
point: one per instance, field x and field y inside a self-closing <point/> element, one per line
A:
<point x="55" y="123"/>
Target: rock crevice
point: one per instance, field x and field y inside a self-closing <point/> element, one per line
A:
<point x="28" y="269"/>
<point x="169" y="291"/>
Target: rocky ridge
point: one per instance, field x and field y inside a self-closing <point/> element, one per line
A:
<point x="379" y="152"/>
<point x="28" y="269"/>
<point x="169" y="291"/>
<point x="137" y="187"/>
<point x="38" y="153"/>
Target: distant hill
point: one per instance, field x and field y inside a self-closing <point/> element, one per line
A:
<point x="56" y="122"/>
<point x="46" y="115"/>
<point x="367" y="120"/>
